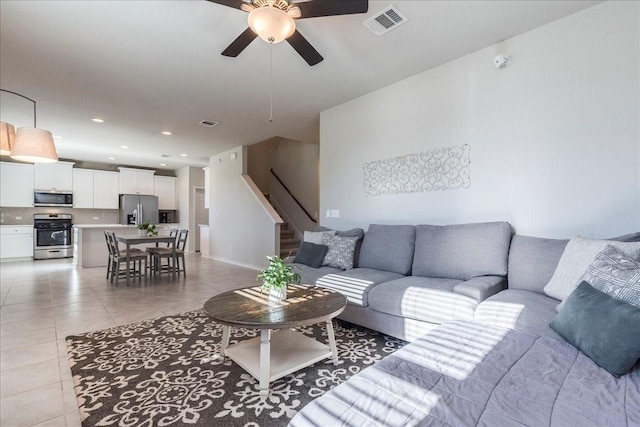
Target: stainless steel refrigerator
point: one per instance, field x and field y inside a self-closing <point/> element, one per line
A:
<point x="136" y="209"/>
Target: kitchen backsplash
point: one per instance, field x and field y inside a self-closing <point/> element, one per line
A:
<point x="24" y="216"/>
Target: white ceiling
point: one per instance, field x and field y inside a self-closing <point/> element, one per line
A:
<point x="149" y="66"/>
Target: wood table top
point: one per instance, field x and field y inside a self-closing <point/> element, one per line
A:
<point x="249" y="308"/>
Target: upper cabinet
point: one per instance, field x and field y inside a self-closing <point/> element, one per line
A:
<point x="106" y="190"/>
<point x="136" y="181"/>
<point x="16" y="185"/>
<point x="165" y="189"/>
<point x="53" y="176"/>
<point x="95" y="189"/>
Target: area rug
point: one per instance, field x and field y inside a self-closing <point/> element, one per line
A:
<point x="166" y="372"/>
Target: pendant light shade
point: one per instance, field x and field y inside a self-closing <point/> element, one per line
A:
<point x="27" y="144"/>
<point x="34" y="146"/>
<point x="271" y="24"/>
<point x="7" y="137"/>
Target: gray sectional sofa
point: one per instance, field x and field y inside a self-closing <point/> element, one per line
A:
<point x="408" y="279"/>
<point x="493" y="362"/>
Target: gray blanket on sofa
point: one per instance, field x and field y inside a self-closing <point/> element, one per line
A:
<point x="466" y="374"/>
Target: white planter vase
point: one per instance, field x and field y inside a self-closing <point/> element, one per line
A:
<point x="277" y="295"/>
<point x="142" y="233"/>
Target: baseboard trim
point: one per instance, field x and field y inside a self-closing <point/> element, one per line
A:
<point x="233" y="262"/>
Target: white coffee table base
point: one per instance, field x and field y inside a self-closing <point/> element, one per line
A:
<point x="278" y="353"/>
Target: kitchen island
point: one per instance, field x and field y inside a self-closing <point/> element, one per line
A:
<point x="90" y="247"/>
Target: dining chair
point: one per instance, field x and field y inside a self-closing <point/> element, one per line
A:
<point x="119" y="258"/>
<point x="154" y="265"/>
<point x="175" y="260"/>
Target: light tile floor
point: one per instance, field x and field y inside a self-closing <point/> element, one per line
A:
<point x="44" y="301"/>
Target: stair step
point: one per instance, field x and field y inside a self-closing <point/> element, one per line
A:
<point x="289" y="242"/>
<point x="286" y="234"/>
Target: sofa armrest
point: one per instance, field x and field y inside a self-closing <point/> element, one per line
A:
<point x="481" y="287"/>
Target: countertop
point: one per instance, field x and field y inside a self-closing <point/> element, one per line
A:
<point x="119" y="225"/>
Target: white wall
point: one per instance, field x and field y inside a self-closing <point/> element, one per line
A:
<point x="243" y="226"/>
<point x="188" y="177"/>
<point x="296" y="164"/>
<point x="554" y="137"/>
<point x="259" y="163"/>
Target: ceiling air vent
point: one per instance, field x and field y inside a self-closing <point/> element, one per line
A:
<point x="385" y="21"/>
<point x="208" y="123"/>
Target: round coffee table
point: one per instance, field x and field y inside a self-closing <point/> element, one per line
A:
<point x="279" y="350"/>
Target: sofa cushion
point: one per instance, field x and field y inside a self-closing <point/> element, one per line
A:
<point x="422" y="298"/>
<point x="575" y="259"/>
<point x="310" y="275"/>
<point x="603" y="328"/>
<point x="341" y="251"/>
<point x="356" y="284"/>
<point x="462" y="251"/>
<point x="311" y="254"/>
<point x="532" y="261"/>
<point x="388" y="248"/>
<point x="528" y="311"/>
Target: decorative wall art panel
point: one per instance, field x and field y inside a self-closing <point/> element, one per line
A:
<point x="442" y="169"/>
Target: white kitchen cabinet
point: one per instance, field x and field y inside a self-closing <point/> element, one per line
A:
<point x="16" y="241"/>
<point x="16" y="185"/>
<point x="165" y="189"/>
<point x="136" y="181"/>
<point x="95" y="189"/>
<point x="82" y="188"/>
<point x="53" y="176"/>
<point x="206" y="187"/>
<point x="105" y="190"/>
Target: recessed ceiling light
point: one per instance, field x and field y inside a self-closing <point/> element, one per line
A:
<point x="111" y="158"/>
<point x="167" y="133"/>
<point x="123" y="146"/>
<point x="57" y="137"/>
<point x="97" y="120"/>
<point x="183" y="155"/>
<point x="163" y="164"/>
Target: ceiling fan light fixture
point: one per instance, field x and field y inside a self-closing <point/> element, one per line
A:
<point x="271" y="24"/>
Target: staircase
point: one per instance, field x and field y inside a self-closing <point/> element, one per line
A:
<point x="288" y="244"/>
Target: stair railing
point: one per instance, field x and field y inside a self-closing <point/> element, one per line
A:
<point x="293" y="197"/>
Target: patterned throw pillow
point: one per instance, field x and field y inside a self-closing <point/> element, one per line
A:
<point x="341" y="251"/>
<point x="615" y="274"/>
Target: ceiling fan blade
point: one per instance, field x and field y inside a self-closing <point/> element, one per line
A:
<point x="240" y="43"/>
<point x="236" y="4"/>
<point x="304" y="48"/>
<point x="315" y="8"/>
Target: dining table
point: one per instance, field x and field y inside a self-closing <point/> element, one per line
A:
<point x="139" y="240"/>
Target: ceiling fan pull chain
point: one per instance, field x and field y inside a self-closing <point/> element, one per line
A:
<point x="271" y="81"/>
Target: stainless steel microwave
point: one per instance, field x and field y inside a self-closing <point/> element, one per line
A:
<point x="53" y="198"/>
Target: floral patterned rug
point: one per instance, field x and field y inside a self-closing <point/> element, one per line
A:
<point x="165" y="372"/>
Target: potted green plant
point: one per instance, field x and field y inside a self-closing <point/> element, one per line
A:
<point x="276" y="277"/>
<point x="146" y="229"/>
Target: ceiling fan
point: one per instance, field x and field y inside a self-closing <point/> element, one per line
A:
<point x="273" y="21"/>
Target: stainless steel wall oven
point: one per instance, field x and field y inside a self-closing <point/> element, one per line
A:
<point x="52" y="236"/>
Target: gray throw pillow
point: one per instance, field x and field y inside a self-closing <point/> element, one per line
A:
<point x="341" y="251"/>
<point x="316" y="236"/>
<point x="615" y="274"/>
<point x="311" y="254"/>
<point x="603" y="328"/>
